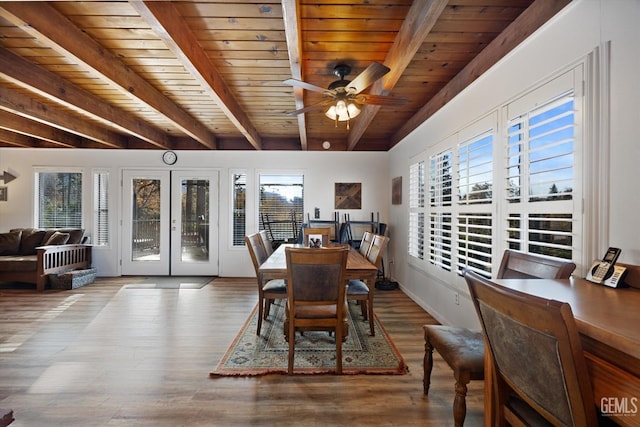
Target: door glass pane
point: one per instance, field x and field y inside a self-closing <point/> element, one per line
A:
<point x="145" y="233"/>
<point x="195" y="220"/>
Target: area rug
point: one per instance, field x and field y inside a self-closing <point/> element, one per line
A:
<point x="251" y="355"/>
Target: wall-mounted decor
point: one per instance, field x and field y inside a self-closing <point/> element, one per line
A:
<point x="348" y="195"/>
<point x="396" y="191"/>
<point x="3" y="194"/>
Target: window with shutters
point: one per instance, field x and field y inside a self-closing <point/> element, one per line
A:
<point x="281" y="204"/>
<point x="416" y="210"/>
<point x="58" y="199"/>
<point x="524" y="193"/>
<point x="474" y="216"/>
<point x="440" y="210"/>
<point x="101" y="208"/>
<point x="239" y="200"/>
<point x="542" y="216"/>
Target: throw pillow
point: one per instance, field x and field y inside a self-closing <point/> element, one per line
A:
<point x="10" y="243"/>
<point x="57" y="238"/>
<point x="31" y="239"/>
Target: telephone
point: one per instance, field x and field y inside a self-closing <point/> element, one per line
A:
<point x="605" y="271"/>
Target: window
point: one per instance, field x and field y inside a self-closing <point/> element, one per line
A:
<point x="101" y="207"/>
<point x="540" y="178"/>
<point x="440" y="214"/>
<point x="281" y="204"/>
<point x="475" y="197"/>
<point x="239" y="199"/>
<point x="58" y="202"/>
<point x="416" y="210"/>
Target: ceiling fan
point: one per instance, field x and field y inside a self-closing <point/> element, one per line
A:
<point x="344" y="96"/>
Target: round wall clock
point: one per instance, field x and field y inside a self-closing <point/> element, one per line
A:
<point x="169" y="157"/>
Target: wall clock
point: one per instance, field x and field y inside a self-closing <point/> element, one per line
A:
<point x="169" y="157"/>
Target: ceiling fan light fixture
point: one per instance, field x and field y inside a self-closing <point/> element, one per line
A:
<point x="342" y="111"/>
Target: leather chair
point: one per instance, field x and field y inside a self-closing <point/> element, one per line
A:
<point x="316" y="295"/>
<point x="271" y="290"/>
<point x="325" y="232"/>
<point x="539" y="371"/>
<point x="463" y="349"/>
<point x="358" y="290"/>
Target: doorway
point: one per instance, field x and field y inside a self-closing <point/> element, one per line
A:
<point x="170" y="224"/>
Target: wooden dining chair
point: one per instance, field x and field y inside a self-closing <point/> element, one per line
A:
<point x="463" y="349"/>
<point x="316" y="295"/>
<point x="358" y="290"/>
<point x="365" y="243"/>
<point x="325" y="232"/>
<point x="270" y="290"/>
<point x="539" y="373"/>
<point x="267" y="243"/>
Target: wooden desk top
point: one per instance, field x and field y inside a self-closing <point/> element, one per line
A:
<point x="609" y="316"/>
<point x="358" y="267"/>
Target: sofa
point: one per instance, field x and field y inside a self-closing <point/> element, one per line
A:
<point x="30" y="255"/>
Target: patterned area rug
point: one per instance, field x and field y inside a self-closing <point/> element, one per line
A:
<point x="250" y="355"/>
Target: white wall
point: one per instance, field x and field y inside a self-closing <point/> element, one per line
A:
<point x="579" y="29"/>
<point x="321" y="170"/>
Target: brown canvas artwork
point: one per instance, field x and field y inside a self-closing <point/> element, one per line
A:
<point x="348" y="195"/>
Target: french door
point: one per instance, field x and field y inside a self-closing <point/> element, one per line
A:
<point x="170" y="223"/>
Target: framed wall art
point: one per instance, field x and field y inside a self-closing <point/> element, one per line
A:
<point x="396" y="191"/>
<point x="348" y="195"/>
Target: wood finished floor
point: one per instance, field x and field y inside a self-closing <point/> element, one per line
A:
<point x="109" y="354"/>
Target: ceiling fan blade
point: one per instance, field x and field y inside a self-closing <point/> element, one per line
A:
<point x="317" y="106"/>
<point x="366" y="78"/>
<point x="305" y="85"/>
<point x="380" y="100"/>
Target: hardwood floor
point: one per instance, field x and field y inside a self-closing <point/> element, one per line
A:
<point x="113" y="354"/>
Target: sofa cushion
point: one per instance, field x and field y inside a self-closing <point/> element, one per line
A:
<point x="20" y="263"/>
<point x="10" y="243"/>
<point x="31" y="239"/>
<point x="57" y="238"/>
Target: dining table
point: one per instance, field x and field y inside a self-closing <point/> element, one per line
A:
<point x="358" y="267"/>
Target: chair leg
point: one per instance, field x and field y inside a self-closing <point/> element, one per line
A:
<point x="428" y="365"/>
<point x="267" y="307"/>
<point x="260" y="309"/>
<point x="339" y="339"/>
<point x="291" y="333"/>
<point x="370" y="309"/>
<point x="460" y="404"/>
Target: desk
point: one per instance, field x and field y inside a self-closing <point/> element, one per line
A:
<point x="608" y="321"/>
<point x="358" y="267"/>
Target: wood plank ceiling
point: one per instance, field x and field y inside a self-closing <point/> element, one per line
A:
<point x="209" y="74"/>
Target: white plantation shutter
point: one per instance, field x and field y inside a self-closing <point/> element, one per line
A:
<point x="541" y="177"/>
<point x="440" y="212"/>
<point x="416" y="210"/>
<point x="101" y="208"/>
<point x="474" y="220"/>
<point x="239" y="198"/>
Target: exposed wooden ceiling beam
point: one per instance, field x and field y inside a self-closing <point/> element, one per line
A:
<point x="165" y="20"/>
<point x="522" y="27"/>
<point x="420" y="19"/>
<point x="25" y="126"/>
<point x="17" y="139"/>
<point x="41" y="81"/>
<point x="42" y="21"/>
<point x="291" y="16"/>
<point x="24" y="106"/>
